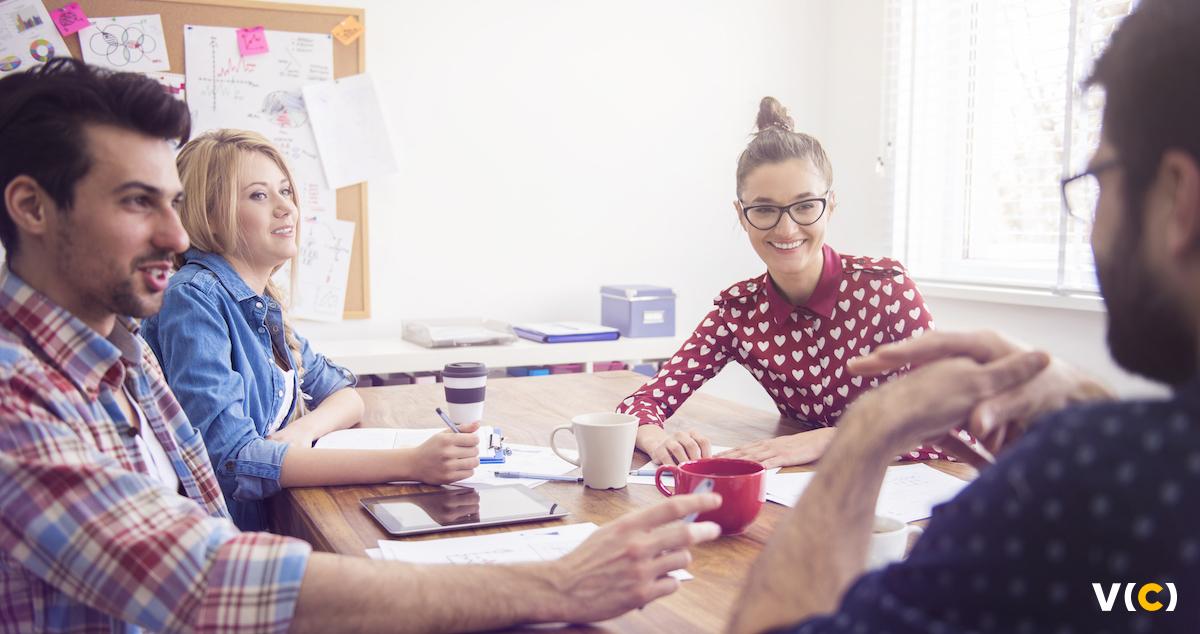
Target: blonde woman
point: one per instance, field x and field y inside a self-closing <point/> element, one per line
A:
<point x="248" y="382"/>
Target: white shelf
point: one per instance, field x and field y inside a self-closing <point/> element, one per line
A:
<point x="382" y="355"/>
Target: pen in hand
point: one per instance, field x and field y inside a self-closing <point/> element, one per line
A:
<point x="449" y="423"/>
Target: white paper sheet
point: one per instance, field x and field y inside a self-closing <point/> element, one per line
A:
<point x="323" y="270"/>
<point x="127" y="43"/>
<point x="909" y="492"/>
<point x="541" y="544"/>
<point x="28" y="36"/>
<point x="350" y="130"/>
<point x="388" y="437"/>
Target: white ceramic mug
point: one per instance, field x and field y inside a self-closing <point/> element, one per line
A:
<point x="889" y="540"/>
<point x="606" y="443"/>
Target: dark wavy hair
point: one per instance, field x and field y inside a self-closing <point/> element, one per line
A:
<point x="43" y="114"/>
<point x="1150" y="73"/>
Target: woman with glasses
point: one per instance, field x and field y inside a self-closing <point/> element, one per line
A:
<point x="794" y="327"/>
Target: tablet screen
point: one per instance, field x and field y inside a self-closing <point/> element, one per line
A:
<point x="459" y="508"/>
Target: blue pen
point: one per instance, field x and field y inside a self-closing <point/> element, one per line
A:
<point x="537" y="476"/>
<point x="449" y="423"/>
<point x="644" y="472"/>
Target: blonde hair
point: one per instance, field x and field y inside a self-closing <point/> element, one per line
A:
<point x="208" y="167"/>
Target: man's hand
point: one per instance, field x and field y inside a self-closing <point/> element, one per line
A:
<point x="624" y="564"/>
<point x="785" y="451"/>
<point x="447" y="457"/>
<point x="675" y="448"/>
<point x="1000" y="419"/>
<point x="927" y="403"/>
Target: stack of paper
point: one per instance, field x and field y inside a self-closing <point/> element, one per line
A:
<point x="909" y="492"/>
<point x="541" y="544"/>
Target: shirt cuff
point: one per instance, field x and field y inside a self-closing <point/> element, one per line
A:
<point x="257" y="468"/>
<point x="253" y="584"/>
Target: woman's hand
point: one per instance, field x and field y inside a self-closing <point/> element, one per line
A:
<point x="675" y="448"/>
<point x="295" y="434"/>
<point x="785" y="451"/>
<point x="447" y="457"/>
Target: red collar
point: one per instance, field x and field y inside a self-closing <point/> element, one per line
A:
<point x="824" y="296"/>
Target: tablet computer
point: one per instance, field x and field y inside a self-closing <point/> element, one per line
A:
<point x="453" y="508"/>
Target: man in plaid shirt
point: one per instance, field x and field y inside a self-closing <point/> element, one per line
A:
<point x="110" y="514"/>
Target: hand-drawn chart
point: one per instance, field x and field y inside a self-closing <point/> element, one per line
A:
<point x="130" y="43"/>
<point x="324" y="268"/>
<point x="262" y="93"/>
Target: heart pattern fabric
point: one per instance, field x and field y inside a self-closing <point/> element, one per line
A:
<point x="797" y="353"/>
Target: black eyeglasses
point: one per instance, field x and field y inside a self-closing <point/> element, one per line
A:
<point x="803" y="213"/>
<point x="1081" y="192"/>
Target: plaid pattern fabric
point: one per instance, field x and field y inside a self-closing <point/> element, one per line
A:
<point x="89" y="540"/>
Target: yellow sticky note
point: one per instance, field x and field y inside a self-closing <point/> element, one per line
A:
<point x="348" y="30"/>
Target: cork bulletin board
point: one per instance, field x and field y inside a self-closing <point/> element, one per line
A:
<point x="347" y="60"/>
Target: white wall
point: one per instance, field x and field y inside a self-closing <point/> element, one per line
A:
<point x="549" y="147"/>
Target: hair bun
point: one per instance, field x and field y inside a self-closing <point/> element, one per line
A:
<point x="772" y="114"/>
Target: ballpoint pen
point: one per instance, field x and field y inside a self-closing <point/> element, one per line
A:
<point x="449" y="423"/>
<point x="537" y="476"/>
<point x="644" y="472"/>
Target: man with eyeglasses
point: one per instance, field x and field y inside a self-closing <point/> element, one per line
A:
<point x="1087" y="523"/>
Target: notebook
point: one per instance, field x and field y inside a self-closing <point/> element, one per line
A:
<point x="491" y="447"/>
<point x="565" y="332"/>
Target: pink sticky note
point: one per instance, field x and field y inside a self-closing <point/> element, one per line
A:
<point x="252" y="41"/>
<point x="69" y="18"/>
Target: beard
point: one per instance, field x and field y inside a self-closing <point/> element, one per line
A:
<point x="1148" y="330"/>
<point x="116" y="292"/>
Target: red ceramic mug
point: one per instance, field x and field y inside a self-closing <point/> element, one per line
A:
<point x="741" y="483"/>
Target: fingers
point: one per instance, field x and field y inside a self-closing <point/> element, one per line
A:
<point x="705" y="445"/>
<point x="676" y="452"/>
<point x="1013" y="370"/>
<point x="691" y="448"/>
<point x="671" y="560"/>
<point x="468" y="428"/>
<point x="660" y="588"/>
<point x="932" y="346"/>
<point x="679" y="535"/>
<point x="669" y="510"/>
<point x="955" y="446"/>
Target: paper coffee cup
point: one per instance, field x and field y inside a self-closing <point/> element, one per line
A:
<point x="465" y="384"/>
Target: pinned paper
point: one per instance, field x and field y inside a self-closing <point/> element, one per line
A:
<point x="69" y="18"/>
<point x="127" y="43"/>
<point x="252" y="41"/>
<point x="350" y="129"/>
<point x="348" y="30"/>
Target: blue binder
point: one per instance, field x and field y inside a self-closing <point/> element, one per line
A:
<point x="565" y="332"/>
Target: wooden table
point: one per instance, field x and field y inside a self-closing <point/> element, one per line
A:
<point x="331" y="518"/>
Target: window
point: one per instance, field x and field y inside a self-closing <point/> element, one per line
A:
<point x="985" y="114"/>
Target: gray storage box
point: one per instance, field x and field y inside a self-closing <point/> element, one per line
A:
<point x="638" y="310"/>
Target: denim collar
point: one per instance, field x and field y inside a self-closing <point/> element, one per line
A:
<point x="221" y="267"/>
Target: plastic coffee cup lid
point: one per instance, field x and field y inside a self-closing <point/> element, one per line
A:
<point x="464" y="370"/>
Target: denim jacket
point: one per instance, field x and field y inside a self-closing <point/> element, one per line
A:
<point x="213" y="338"/>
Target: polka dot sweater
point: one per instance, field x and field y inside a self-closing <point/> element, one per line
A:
<point x="797" y="353"/>
<point x="1100" y="494"/>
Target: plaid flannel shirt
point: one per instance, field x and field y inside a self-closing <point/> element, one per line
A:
<point x="89" y="540"/>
